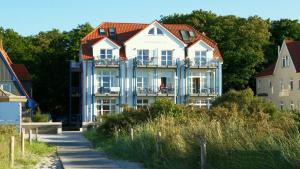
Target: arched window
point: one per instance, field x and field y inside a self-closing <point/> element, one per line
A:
<point x="159" y="31"/>
<point x="151" y="31"/>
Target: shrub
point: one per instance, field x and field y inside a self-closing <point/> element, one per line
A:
<point x="38" y="117"/>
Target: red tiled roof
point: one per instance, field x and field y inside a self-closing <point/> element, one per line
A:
<point x="9" y="63"/>
<point x="21" y="71"/>
<point x="294" y="50"/>
<point x="268" y="71"/>
<point x="125" y="31"/>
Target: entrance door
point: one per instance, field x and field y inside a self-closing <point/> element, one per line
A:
<point x="196" y="85"/>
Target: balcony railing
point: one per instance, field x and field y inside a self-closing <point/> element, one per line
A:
<point x="107" y="62"/>
<point x="204" y="91"/>
<point x="153" y="62"/>
<point x="201" y="64"/>
<point x="154" y="91"/>
<point x="108" y="90"/>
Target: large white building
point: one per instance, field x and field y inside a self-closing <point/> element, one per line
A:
<point x="135" y="64"/>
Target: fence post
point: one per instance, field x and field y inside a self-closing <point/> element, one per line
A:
<point x="131" y="133"/>
<point x="158" y="142"/>
<point x="23" y="143"/>
<point x="36" y="134"/>
<point x="203" y="154"/>
<point x="12" y="151"/>
<point x="30" y="136"/>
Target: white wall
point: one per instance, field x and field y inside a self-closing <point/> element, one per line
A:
<point x="200" y="46"/>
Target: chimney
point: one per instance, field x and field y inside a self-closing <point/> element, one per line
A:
<point x="278" y="48"/>
<point x="203" y="33"/>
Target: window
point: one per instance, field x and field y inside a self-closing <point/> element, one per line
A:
<point x="292" y="106"/>
<point x="200" y="58"/>
<point x="102" y="31"/>
<point x="112" y="33"/>
<point x="291" y="84"/>
<point x="106" y="80"/>
<point x="105" y="53"/>
<point x="142" y="103"/>
<point x="192" y="34"/>
<point x="281" y="105"/>
<point x="299" y="83"/>
<point x="151" y="31"/>
<point x="270" y="83"/>
<point x="258" y="84"/>
<point x="143" y="57"/>
<point x="185" y="35"/>
<point x="6" y="87"/>
<point x="141" y="83"/>
<point x="285" y="61"/>
<point x="159" y="31"/>
<point x="281" y="85"/>
<point x="166" y="57"/>
<point x="105" y="106"/>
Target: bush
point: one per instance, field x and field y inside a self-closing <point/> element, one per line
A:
<point x="246" y="102"/>
<point x="38" y="117"/>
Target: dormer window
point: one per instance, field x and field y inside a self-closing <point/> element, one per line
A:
<point x="112" y="33"/>
<point x="102" y="31"/>
<point x="185" y="35"/>
<point x="285" y="61"/>
<point x="192" y="34"/>
<point x="151" y="31"/>
<point x="105" y="54"/>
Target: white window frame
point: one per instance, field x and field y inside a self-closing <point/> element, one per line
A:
<point x="201" y="57"/>
<point x="285" y="62"/>
<point x="166" y="57"/>
<point x="108" y="54"/>
<point x="141" y="56"/>
<point x="101" y="102"/>
<point x="143" y="104"/>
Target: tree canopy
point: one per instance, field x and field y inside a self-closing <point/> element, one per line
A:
<point x="247" y="45"/>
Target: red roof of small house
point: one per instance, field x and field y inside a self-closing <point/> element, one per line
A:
<point x="125" y="31"/>
<point x="294" y="50"/>
<point x="21" y="72"/>
<point x="9" y="63"/>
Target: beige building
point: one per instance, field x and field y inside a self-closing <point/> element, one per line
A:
<point x="280" y="82"/>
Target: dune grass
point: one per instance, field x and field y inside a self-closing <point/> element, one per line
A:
<point x="33" y="152"/>
<point x="235" y="140"/>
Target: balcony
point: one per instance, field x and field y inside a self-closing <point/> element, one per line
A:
<point x="153" y="62"/>
<point x="203" y="92"/>
<point x="107" y="63"/>
<point x="165" y="91"/>
<point x="201" y="64"/>
<point x="108" y="91"/>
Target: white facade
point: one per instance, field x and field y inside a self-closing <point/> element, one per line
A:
<point x="158" y="65"/>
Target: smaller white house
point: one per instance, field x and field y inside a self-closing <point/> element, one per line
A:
<point x="11" y="108"/>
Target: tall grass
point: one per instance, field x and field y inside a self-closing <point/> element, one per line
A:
<point x="235" y="140"/>
<point x="33" y="151"/>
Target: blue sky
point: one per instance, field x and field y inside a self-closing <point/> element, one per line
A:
<point x="31" y="16"/>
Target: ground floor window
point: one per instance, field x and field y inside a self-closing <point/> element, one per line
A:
<point x="203" y="103"/>
<point x="142" y="103"/>
<point x="105" y="106"/>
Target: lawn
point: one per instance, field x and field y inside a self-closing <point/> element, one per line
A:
<point x="33" y="152"/>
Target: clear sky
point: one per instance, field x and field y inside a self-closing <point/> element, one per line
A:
<point x="31" y="16"/>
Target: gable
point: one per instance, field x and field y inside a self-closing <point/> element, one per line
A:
<point x="283" y="53"/>
<point x="165" y="37"/>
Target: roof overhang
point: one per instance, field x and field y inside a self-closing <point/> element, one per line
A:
<point x="9" y="97"/>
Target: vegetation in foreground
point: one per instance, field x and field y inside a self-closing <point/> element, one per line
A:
<point x="241" y="131"/>
<point x="33" y="152"/>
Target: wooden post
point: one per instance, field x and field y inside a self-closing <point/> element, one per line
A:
<point x="23" y="143"/>
<point x="131" y="133"/>
<point x="36" y="134"/>
<point x="30" y="136"/>
<point x="12" y="151"/>
<point x="117" y="135"/>
<point x="203" y="154"/>
<point x="158" y="142"/>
